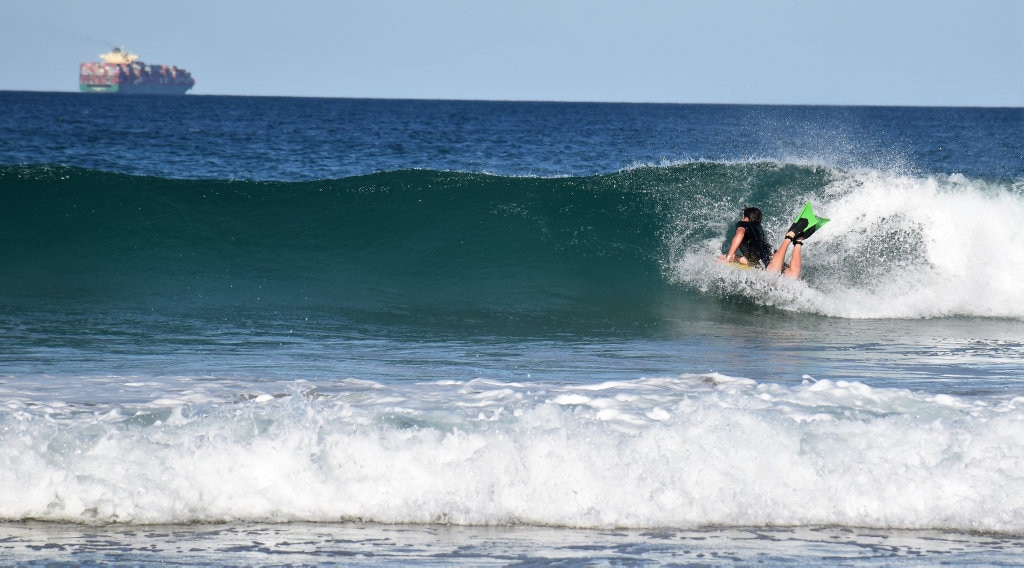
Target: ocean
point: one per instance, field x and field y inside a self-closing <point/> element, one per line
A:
<point x="298" y="331"/>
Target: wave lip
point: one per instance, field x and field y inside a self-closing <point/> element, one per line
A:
<point x="682" y="452"/>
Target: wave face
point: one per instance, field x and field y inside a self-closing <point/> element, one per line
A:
<point x="389" y="242"/>
<point x="417" y="242"/>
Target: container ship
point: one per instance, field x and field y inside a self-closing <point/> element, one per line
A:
<point x="121" y="72"/>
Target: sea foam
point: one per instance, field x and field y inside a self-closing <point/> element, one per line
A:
<point x="686" y="451"/>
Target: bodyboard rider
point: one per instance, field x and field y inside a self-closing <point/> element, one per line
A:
<point x="749" y="245"/>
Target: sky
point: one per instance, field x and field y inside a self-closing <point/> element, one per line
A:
<point x="834" y="52"/>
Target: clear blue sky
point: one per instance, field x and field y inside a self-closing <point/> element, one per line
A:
<point x="875" y="52"/>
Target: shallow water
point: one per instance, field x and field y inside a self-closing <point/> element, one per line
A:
<point x="36" y="544"/>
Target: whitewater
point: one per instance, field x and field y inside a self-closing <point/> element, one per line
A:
<point x="485" y="333"/>
<point x="900" y="247"/>
<point x="680" y="452"/>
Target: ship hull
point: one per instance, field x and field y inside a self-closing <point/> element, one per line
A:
<point x="136" y="89"/>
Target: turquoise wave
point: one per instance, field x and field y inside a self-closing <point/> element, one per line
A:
<point x="453" y="244"/>
<point x="408" y="236"/>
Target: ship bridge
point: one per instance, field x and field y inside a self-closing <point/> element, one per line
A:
<point x="119" y="56"/>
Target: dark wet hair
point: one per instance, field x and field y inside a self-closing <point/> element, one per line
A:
<point x="752" y="213"/>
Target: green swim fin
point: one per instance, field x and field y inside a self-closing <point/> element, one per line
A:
<point x="807" y="223"/>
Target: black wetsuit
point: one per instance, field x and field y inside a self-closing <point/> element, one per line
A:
<point x="755" y="245"/>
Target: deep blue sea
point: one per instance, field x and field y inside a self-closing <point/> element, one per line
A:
<point x="293" y="331"/>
